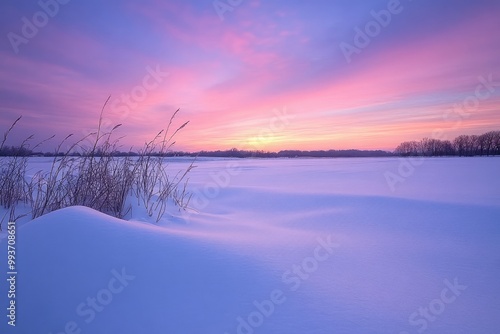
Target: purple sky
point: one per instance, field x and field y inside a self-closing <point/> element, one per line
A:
<point x="253" y="75"/>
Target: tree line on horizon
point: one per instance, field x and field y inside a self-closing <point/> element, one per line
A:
<point x="487" y="144"/>
<point x="232" y="153"/>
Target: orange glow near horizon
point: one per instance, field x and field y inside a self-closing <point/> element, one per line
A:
<point x="280" y="84"/>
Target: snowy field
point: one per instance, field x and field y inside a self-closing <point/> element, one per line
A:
<point x="293" y="246"/>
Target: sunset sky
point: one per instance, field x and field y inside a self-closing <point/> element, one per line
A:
<point x="252" y="74"/>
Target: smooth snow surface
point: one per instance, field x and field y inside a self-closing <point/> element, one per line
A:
<point x="291" y="246"/>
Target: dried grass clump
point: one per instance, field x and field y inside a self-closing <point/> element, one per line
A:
<point x="96" y="177"/>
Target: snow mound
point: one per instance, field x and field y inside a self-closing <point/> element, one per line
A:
<point x="81" y="269"/>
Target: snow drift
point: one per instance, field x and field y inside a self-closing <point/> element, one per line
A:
<point x="286" y="246"/>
